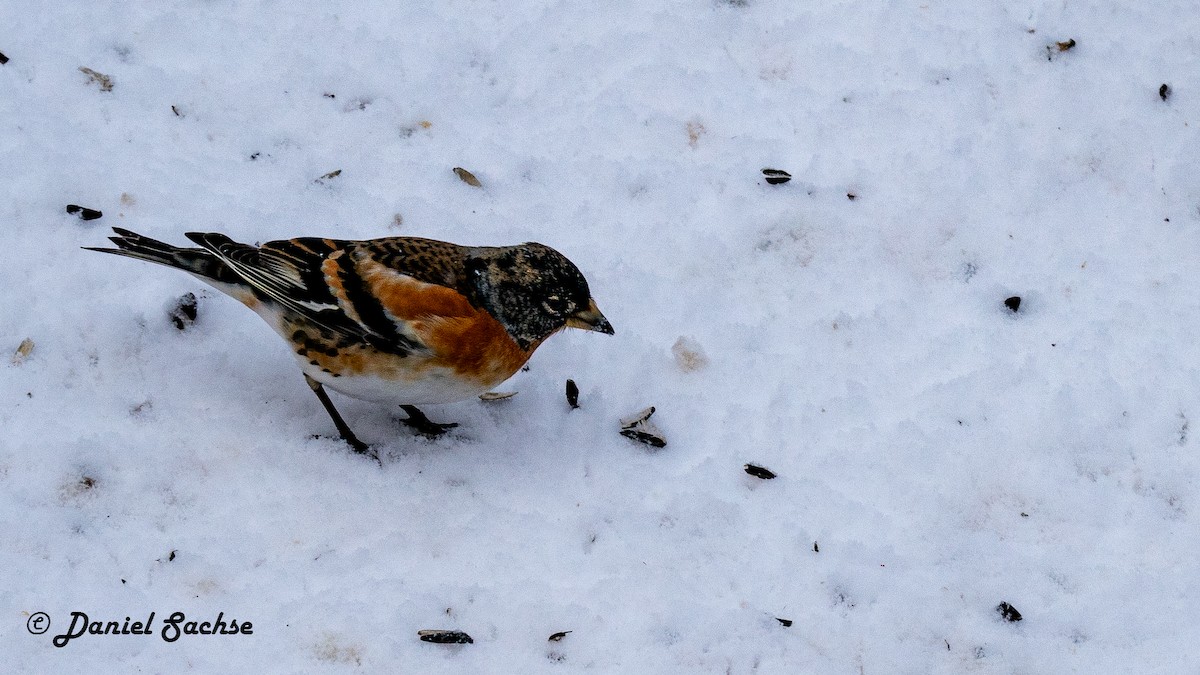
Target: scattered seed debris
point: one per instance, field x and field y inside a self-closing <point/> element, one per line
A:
<point x="3" y="59"/>
<point x="851" y="196"/>
<point x="776" y="176"/>
<point x="83" y="212"/>
<point x="105" y="82"/>
<point x="1013" y="303"/>
<point x="23" y="351"/>
<point x="647" y="434"/>
<point x="1058" y="48"/>
<point x="694" y="131"/>
<point x="176" y="111"/>
<point x="637" y="418"/>
<point x="1024" y="515"/>
<point x="787" y="623"/>
<point x="497" y="395"/>
<point x="1009" y="612"/>
<point x="572" y="394"/>
<point x="759" y="472"/>
<point x="638" y="427"/>
<point x="183" y="314"/>
<point x="445" y="637"/>
<point x="689" y="355"/>
<point x="86" y="483"/>
<point x="467" y="177"/>
<point x="329" y="95"/>
<point x="171" y="555"/>
<point x="1164" y="92"/>
<point x="816" y="549"/>
<point x="557" y="637"/>
<point x="332" y="174"/>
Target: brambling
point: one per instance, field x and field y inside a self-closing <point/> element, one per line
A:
<point x="398" y="320"/>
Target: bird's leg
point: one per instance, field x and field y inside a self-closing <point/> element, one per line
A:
<point x="418" y="420"/>
<point x="338" y="422"/>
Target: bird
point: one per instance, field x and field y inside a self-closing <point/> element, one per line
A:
<point x="397" y="320"/>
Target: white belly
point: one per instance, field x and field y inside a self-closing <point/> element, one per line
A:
<point x="435" y="385"/>
<point x="427" y="384"/>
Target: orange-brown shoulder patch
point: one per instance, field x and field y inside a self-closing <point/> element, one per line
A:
<point x="408" y="299"/>
<point x="464" y="338"/>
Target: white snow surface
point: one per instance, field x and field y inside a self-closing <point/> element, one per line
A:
<point x="944" y="453"/>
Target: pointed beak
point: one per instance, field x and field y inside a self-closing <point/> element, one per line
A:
<point x="590" y="319"/>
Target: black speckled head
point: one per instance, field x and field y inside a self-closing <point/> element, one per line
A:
<point x="533" y="291"/>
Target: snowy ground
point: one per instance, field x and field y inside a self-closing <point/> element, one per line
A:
<point x="943" y="453"/>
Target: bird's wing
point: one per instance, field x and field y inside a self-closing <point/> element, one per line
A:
<point x="317" y="280"/>
<point x="414" y="280"/>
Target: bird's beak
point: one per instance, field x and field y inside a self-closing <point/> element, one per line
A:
<point x="590" y="319"/>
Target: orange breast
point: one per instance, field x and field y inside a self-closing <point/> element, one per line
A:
<point x="463" y="338"/>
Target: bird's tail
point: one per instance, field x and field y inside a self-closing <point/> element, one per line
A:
<point x="195" y="260"/>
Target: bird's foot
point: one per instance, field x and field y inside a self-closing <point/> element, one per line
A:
<point x="363" y="449"/>
<point x="417" y="420"/>
<point x="357" y="446"/>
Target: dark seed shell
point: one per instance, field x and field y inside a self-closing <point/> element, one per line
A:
<point x="759" y="472"/>
<point x="776" y="176"/>
<point x="572" y="394"/>
<point x="1009" y="612"/>
<point x="648" y="437"/>
<point x="639" y="428"/>
<point x="445" y="637"/>
<point x="83" y="212"/>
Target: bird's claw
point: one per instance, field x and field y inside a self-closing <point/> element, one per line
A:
<point x="424" y="426"/>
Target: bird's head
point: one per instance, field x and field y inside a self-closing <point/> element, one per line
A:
<point x="533" y="291"/>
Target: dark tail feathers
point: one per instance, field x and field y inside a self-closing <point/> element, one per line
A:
<point x="195" y="260"/>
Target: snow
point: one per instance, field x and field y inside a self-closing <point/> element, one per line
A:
<point x="944" y="453"/>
